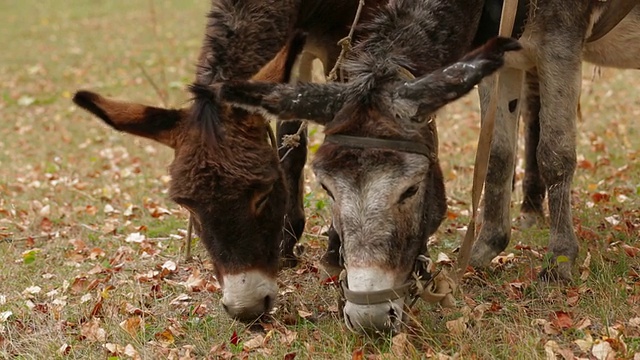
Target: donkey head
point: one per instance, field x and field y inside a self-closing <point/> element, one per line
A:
<point x="378" y="163"/>
<point x="235" y="189"/>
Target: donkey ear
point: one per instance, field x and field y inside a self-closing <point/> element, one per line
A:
<point x="434" y="90"/>
<point x="315" y="102"/>
<point x="147" y="121"/>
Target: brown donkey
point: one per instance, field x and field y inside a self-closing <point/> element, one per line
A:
<point x="236" y="190"/>
<point x="379" y="161"/>
<point x="223" y="171"/>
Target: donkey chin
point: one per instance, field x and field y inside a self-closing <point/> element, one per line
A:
<point x="382" y="317"/>
<point x="248" y="295"/>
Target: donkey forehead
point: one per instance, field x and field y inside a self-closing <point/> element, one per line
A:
<point x="363" y="166"/>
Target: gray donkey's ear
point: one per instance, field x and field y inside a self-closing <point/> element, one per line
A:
<point x="315" y="102"/>
<point x="432" y="91"/>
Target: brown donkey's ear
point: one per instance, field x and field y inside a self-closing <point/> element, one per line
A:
<point x="146" y="121"/>
<point x="432" y="91"/>
<point x="315" y="102"/>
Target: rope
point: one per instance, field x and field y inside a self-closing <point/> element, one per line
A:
<point x="485" y="138"/>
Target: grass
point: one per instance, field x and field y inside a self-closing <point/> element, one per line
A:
<point x="72" y="192"/>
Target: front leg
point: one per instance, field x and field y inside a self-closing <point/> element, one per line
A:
<point x="293" y="160"/>
<point x="559" y="72"/>
<point x="293" y="168"/>
<point x="533" y="189"/>
<point x="496" y="215"/>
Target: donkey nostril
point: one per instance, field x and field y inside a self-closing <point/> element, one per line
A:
<point x="392" y="313"/>
<point x="348" y="319"/>
<point x="225" y="307"/>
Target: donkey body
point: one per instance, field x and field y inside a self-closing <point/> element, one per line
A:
<point x="547" y="73"/>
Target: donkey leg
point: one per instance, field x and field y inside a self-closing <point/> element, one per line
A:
<point x="496" y="218"/>
<point x="533" y="189"/>
<point x="559" y="73"/>
<point x="330" y="261"/>
<point x="293" y="167"/>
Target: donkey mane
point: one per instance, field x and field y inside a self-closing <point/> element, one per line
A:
<point x="226" y="54"/>
<point x="389" y="46"/>
<point x="420" y="36"/>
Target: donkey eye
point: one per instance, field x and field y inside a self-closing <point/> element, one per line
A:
<point x="409" y="193"/>
<point x="327" y="190"/>
<point x="262" y="202"/>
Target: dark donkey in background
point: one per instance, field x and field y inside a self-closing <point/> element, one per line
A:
<point x="379" y="161"/>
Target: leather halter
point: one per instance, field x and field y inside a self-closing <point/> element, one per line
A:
<point x="377" y="143"/>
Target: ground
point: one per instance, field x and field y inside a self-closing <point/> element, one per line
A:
<point x="91" y="246"/>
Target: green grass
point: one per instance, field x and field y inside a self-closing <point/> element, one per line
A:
<point x="67" y="182"/>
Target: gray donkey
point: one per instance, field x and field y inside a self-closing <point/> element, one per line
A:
<point x="557" y="37"/>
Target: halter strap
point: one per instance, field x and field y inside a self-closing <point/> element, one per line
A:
<point x="376" y="143"/>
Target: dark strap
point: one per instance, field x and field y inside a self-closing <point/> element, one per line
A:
<point x="614" y="12"/>
<point x="375" y="297"/>
<point x="366" y="142"/>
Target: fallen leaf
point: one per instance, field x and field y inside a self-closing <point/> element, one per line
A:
<point x="135" y="237"/>
<point x="165" y="337"/>
<point x="443" y="259"/>
<point x="399" y="346"/>
<point x="631" y="251"/>
<point x="357" y="354"/>
<point x="304" y="314"/>
<point x="562" y="320"/>
<point x="64" y="349"/>
<point x="92" y="331"/>
<point x="114" y="349"/>
<point x="290" y="356"/>
<point x="458" y="326"/>
<point x="234" y="338"/>
<point x="132" y="325"/>
<point x="131" y="352"/>
<point x="602" y="350"/>
<point x="253" y="343"/>
<point x="170" y="265"/>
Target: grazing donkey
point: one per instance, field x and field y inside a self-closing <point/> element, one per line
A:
<point x="379" y="161"/>
<point x="236" y="191"/>
<point x="223" y="171"/>
<point x="558" y="35"/>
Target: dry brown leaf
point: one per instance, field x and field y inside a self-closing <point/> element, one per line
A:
<point x="92" y="331"/>
<point x="357" y="354"/>
<point x="304" y="314"/>
<point x="288" y="337"/>
<point x="602" y="350"/>
<point x="458" y="326"/>
<point x="114" y="349"/>
<point x="165" y="337"/>
<point x="631" y="251"/>
<point x="194" y="282"/>
<point x="64" y="349"/>
<point x="253" y="343"/>
<point x="132" y="325"/>
<point x="131" y="352"/>
<point x="561" y="320"/>
<point x="584" y="268"/>
<point x="400" y="346"/>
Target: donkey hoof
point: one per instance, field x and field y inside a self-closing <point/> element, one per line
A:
<point x="481" y="255"/>
<point x="557" y="274"/>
